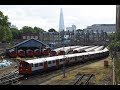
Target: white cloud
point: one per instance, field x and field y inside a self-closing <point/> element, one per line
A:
<point x="47" y="16"/>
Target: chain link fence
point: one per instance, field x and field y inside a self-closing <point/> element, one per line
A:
<point x="115" y="55"/>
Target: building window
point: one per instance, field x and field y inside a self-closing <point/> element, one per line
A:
<point x="36" y="37"/>
<point x="24" y="37"/>
<point x="28" y="37"/>
<point x="32" y="37"/>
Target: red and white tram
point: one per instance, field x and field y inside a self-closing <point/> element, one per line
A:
<point x="80" y="49"/>
<point x="12" y="53"/>
<point x="43" y="64"/>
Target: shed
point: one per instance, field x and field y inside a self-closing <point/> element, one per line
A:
<point x="30" y="44"/>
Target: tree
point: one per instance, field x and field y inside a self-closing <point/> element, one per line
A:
<point x="16" y="33"/>
<point x="26" y="29"/>
<point x="78" y="30"/>
<point x="117" y="35"/>
<point x="115" y="41"/>
<point x="9" y="35"/>
<point x="111" y="36"/>
<point x="38" y="30"/>
<point x="52" y="30"/>
<point x="5" y="33"/>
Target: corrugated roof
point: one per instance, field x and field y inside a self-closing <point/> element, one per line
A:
<point x="21" y="43"/>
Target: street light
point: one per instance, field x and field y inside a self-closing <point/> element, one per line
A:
<point x="63" y="40"/>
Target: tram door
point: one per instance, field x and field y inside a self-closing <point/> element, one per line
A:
<point x="57" y="63"/>
<point x="75" y="59"/>
<point x="66" y="61"/>
<point x="45" y="65"/>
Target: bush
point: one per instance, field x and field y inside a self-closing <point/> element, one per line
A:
<point x="115" y="42"/>
<point x="114" y="46"/>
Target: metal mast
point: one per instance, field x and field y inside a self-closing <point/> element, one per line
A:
<point x="62" y="34"/>
<point x="117" y="17"/>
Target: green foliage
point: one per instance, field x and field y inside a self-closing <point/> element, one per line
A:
<point x="38" y="30"/>
<point x="115" y="41"/>
<point x="5" y="33"/>
<point x="114" y="46"/>
<point x="27" y="29"/>
<point x="16" y="33"/>
<point x="111" y="36"/>
<point x="1" y="33"/>
<point x="79" y="30"/>
<point x="117" y="35"/>
<point x="52" y="30"/>
<point x="8" y="35"/>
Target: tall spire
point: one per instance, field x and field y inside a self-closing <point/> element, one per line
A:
<point x="61" y="22"/>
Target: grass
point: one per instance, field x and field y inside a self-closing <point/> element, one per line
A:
<point x="96" y="68"/>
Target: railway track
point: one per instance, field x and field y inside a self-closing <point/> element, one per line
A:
<point x="10" y="78"/>
<point x="13" y="78"/>
<point x="84" y="79"/>
<point x="51" y="74"/>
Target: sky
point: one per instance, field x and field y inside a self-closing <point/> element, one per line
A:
<point x="47" y="16"/>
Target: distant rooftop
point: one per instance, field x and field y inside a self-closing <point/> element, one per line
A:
<point x="103" y="24"/>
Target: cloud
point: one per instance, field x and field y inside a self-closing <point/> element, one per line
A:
<point x="47" y="16"/>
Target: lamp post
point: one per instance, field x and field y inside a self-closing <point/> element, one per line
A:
<point x="63" y="40"/>
<point x="117" y="17"/>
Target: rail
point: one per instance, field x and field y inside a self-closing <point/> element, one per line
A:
<point x="84" y="79"/>
<point x="10" y="78"/>
<point x="79" y="79"/>
<point x="87" y="81"/>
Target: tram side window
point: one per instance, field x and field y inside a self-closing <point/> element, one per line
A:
<point x="60" y="60"/>
<point x="40" y="64"/>
<point x="71" y="58"/>
<point x="27" y="65"/>
<point x="80" y="57"/>
<point x="32" y="65"/>
<point x="49" y="62"/>
<point x="53" y="61"/>
<point x="36" y="65"/>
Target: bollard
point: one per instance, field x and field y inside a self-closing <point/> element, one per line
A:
<point x="106" y="63"/>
